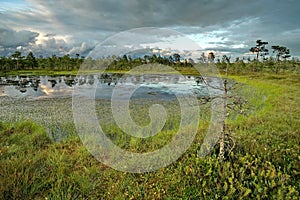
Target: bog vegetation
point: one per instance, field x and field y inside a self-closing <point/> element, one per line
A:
<point x="38" y="162"/>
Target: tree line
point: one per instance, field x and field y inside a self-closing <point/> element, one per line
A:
<point x="29" y="62"/>
<point x="260" y="63"/>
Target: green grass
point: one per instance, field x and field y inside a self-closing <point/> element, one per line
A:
<point x="38" y="72"/>
<point x="44" y="72"/>
<point x="264" y="165"/>
<point x="183" y="71"/>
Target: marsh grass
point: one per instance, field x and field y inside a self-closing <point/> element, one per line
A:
<point x="139" y="110"/>
<point x="264" y="164"/>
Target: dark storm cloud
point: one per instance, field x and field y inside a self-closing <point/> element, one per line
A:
<point x="238" y="22"/>
<point x="10" y="38"/>
<point x="118" y="15"/>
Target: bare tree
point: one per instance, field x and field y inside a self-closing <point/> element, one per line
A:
<point x="231" y="103"/>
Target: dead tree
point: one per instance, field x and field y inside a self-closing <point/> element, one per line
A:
<point x="230" y="102"/>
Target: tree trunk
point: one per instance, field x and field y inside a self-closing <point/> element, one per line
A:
<point x="223" y="132"/>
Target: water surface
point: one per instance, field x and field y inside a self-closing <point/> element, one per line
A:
<point x="148" y="86"/>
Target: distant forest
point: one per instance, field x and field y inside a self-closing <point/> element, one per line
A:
<point x="260" y="62"/>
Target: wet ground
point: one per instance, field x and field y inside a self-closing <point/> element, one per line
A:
<point x="48" y="100"/>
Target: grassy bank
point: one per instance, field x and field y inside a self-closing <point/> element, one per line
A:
<point x="39" y="72"/>
<point x="264" y="164"/>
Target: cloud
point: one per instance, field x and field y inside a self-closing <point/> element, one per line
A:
<point x="83" y="50"/>
<point x="117" y="15"/>
<point x="217" y="24"/>
<point x="10" y="38"/>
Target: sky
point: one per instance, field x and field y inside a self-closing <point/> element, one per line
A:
<point x="223" y="26"/>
